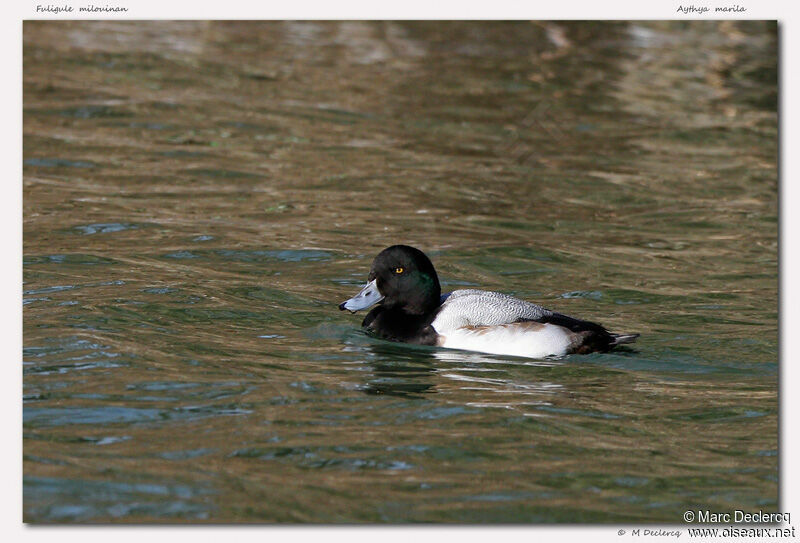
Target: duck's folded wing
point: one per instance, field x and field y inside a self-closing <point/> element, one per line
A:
<point x="572" y="324"/>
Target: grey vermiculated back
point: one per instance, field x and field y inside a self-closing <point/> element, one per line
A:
<point x="471" y="307"/>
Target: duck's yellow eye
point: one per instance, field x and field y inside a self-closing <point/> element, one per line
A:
<point x="398" y="270"/>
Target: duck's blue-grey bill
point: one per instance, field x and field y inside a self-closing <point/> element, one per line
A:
<point x="368" y="296"/>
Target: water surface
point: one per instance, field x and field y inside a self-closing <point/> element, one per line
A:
<point x="199" y="197"/>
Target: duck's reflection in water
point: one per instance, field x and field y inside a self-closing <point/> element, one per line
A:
<point x="397" y="370"/>
<point x="468" y="378"/>
<point x="493" y="381"/>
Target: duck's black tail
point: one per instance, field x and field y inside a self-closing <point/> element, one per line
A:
<point x="622" y="339"/>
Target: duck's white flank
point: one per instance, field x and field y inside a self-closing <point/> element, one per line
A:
<point x="528" y="339"/>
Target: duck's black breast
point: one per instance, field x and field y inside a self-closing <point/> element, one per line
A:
<point x="397" y="325"/>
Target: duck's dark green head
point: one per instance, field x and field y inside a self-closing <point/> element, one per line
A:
<point x="401" y="277"/>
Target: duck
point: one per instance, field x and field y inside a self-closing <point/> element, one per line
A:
<point x="409" y="307"/>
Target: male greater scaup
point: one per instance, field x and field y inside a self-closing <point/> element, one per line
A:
<point x="412" y="310"/>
